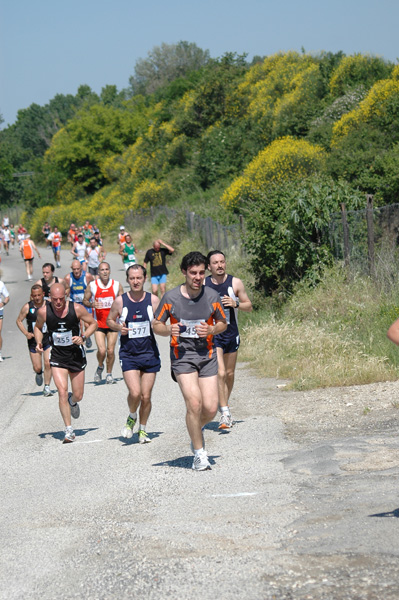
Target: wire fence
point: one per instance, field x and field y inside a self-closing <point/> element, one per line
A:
<point x="214" y="235"/>
<point x="367" y="240"/>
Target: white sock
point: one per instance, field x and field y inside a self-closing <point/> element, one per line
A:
<point x="143" y="427"/>
<point x="225" y="410"/>
<point x="133" y="415"/>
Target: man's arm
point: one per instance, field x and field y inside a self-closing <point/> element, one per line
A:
<point x="35" y="249"/>
<point x="171" y="250"/>
<point x="21" y="317"/>
<point x="120" y="291"/>
<point x="87" y="297"/>
<point x="114" y="313"/>
<point x="40" y="319"/>
<point x="239" y="290"/>
<point x="393" y="332"/>
<point x="87" y="318"/>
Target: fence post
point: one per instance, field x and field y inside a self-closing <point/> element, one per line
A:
<point x="370" y="234"/>
<point x="346" y="234"/>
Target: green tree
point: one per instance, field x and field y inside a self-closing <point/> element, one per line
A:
<point x="165" y="63"/>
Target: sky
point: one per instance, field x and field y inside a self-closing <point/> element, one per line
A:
<point x="49" y="47"/>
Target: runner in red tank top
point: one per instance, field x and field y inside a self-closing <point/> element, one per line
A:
<point x="100" y="295"/>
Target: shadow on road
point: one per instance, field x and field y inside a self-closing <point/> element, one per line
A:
<point x="59" y="435"/>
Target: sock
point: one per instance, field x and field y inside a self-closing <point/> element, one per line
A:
<point x="100" y="368"/>
<point x="200" y="451"/>
<point x="142" y="427"/>
<point x="133" y="415"/>
<point x="225" y="410"/>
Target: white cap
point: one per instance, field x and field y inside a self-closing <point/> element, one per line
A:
<point x="122" y="227"/>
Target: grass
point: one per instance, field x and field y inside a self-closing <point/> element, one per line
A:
<point x="331" y="335"/>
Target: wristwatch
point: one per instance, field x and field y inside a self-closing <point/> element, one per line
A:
<point x="237" y="303"/>
<point x="83" y="337"/>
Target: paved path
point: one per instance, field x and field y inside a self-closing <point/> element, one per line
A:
<point x="104" y="518"/>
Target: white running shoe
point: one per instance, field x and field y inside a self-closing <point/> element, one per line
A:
<point x="109" y="378"/>
<point x="143" y="437"/>
<point x="75" y="408"/>
<point x="1" y="358"/>
<point x="69" y="435"/>
<point x="201" y="462"/>
<point x="98" y="375"/>
<point x="46" y="391"/>
<point x="127" y="430"/>
<point x="226" y="421"/>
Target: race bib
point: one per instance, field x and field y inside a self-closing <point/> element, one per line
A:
<point x="78" y="297"/>
<point x="62" y="338"/>
<point x="105" y="302"/>
<point x="190" y="331"/>
<point x="131" y="257"/>
<point x="139" y="330"/>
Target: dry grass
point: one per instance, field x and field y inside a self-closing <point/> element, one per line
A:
<point x="310" y="356"/>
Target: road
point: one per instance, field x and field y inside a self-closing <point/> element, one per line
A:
<point x="108" y="518"/>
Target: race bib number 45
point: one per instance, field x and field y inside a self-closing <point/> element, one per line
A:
<point x="190" y="331"/>
<point x="62" y="338"/>
<point x="139" y="330"/>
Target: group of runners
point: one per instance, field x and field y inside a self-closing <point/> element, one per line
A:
<point x="199" y="316"/>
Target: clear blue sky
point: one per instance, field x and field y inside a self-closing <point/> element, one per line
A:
<point x="50" y="47"/>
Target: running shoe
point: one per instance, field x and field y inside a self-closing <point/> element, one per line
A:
<point x="1" y="358"/>
<point x="75" y="408"/>
<point x="89" y="342"/>
<point x="201" y="462"/>
<point x="143" y="437"/>
<point x="69" y="435"/>
<point x="127" y="430"/>
<point x="39" y="379"/>
<point x="226" y="421"/>
<point x="109" y="378"/>
<point x="46" y="391"/>
<point x="98" y="375"/>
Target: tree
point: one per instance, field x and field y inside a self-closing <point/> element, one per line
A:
<point x="166" y="63"/>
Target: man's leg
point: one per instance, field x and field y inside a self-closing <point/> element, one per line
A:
<point x="154" y="288"/>
<point x="1" y="339"/>
<point x="60" y="377"/>
<point x="162" y="287"/>
<point x="133" y="384"/>
<point x="78" y="386"/>
<point x="47" y="368"/>
<point x="101" y="347"/>
<point x="112" y="338"/>
<point x="201" y="398"/>
<point x="36" y="360"/>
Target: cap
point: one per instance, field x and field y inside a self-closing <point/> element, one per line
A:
<point x="122" y="227"/>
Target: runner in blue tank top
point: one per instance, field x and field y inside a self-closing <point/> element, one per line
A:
<point x="76" y="283"/>
<point x="132" y="314"/>
<point x="234" y="297"/>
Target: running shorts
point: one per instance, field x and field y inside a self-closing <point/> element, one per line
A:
<point x="192" y="362"/>
<point x="228" y="346"/>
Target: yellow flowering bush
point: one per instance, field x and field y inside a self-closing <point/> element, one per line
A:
<point x="358" y="69"/>
<point x="380" y="107"/>
<point x="284" y="159"/>
<point x="149" y="193"/>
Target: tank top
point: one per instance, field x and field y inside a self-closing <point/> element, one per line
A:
<point x="105" y="296"/>
<point x="46" y="287"/>
<point x="61" y="331"/>
<point x="80" y="250"/>
<point x="93" y="254"/>
<point x="31" y="320"/>
<point x="131" y="257"/>
<point x="77" y="288"/>
<point x="27" y="250"/>
<point x="140" y="340"/>
<point x="226" y="289"/>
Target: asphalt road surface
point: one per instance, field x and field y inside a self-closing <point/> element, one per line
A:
<point x="107" y="518"/>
